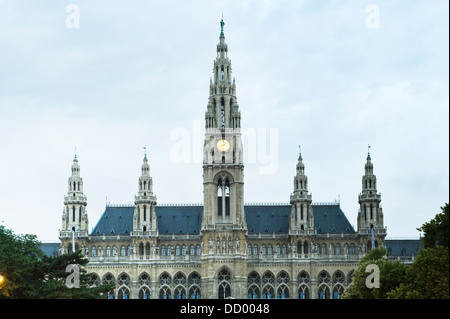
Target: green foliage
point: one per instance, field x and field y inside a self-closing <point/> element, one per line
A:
<point x="426" y="278"/>
<point x="19" y="257"/>
<point x="29" y="273"/>
<point x="392" y="274"/>
<point x="436" y="231"/>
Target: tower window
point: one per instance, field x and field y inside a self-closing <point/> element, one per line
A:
<point x="223" y="198"/>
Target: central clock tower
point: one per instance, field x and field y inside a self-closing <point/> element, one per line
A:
<point x="224" y="227"/>
<point x="223" y="165"/>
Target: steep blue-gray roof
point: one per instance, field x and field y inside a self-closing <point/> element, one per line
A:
<point x="403" y="247"/>
<point x="116" y="220"/>
<point x="329" y="218"/>
<point x="50" y="249"/>
<point x="186" y="219"/>
<point x="267" y="219"/>
<point x="179" y="220"/>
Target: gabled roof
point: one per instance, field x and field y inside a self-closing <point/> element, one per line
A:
<point x="186" y="219"/>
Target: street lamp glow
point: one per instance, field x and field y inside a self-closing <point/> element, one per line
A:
<point x="2" y="279"/>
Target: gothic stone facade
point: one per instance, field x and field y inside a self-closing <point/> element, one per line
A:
<point x="223" y="248"/>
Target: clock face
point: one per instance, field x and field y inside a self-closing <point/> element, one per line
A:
<point x="223" y="145"/>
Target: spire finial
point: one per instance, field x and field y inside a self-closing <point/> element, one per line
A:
<point x="145" y="152"/>
<point x="75" y="158"/>
<point x="221" y="25"/>
<point x="299" y="151"/>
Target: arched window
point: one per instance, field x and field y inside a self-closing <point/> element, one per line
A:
<point x="177" y="250"/>
<point x="144" y="284"/>
<point x="324" y="288"/>
<point x="180" y="286"/>
<point x="199" y="250"/>
<point x="183" y="250"/>
<point x="108" y="251"/>
<point x="93" y="252"/>
<point x="303" y="288"/>
<point x="223" y="198"/>
<point x="283" y="285"/>
<point x="165" y="282"/>
<point x="269" y="249"/>
<point x="223" y="279"/>
<point x="122" y="251"/>
<point x="107" y="280"/>
<point x="194" y="282"/>
<point x="254" y="282"/>
<point x="191" y="250"/>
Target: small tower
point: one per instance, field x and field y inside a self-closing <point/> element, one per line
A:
<point x="74" y="217"/>
<point x="302" y="218"/>
<point x="370" y="215"/>
<point x="144" y="219"/>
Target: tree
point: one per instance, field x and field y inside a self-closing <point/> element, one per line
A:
<point x="29" y="273"/>
<point x="428" y="277"/>
<point x="436" y="231"/>
<point x="19" y="264"/>
<point x="391" y="275"/>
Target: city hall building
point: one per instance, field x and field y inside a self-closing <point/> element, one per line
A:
<point x="224" y="247"/>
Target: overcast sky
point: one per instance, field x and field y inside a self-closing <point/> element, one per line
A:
<point x="110" y="77"/>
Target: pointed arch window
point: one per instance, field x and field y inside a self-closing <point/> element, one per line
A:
<point x="223" y="198"/>
<point x="224" y="284"/>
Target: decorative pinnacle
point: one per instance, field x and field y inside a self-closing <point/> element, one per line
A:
<point x="145" y="153"/>
<point x="299" y="151"/>
<point x="221" y="26"/>
<point x="75" y="158"/>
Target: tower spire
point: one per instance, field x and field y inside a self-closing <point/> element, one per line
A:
<point x="144" y="218"/>
<point x="302" y="218"/>
<point x="74" y="215"/>
<point x="370" y="215"/>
